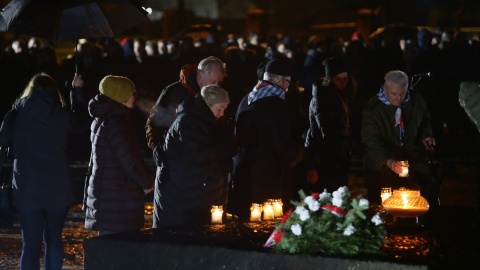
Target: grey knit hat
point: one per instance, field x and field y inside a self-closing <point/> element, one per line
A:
<point x="214" y="94"/>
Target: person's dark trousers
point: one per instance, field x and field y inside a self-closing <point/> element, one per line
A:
<point x="41" y="225"/>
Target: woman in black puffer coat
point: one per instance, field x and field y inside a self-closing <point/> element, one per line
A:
<point x="195" y="161"/>
<point x="120" y="179"/>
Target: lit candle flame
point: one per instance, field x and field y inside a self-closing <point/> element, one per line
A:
<point x="217" y="213"/>
<point x="255" y="212"/>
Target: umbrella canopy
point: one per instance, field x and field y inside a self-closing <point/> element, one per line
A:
<point x="72" y="19"/>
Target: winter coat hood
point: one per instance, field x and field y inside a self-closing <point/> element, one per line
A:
<point x="101" y="107"/>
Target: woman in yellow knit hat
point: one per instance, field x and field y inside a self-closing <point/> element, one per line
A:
<point x="114" y="198"/>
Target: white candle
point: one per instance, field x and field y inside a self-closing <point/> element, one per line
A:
<point x="278" y="206"/>
<point x="268" y="211"/>
<point x="404" y="172"/>
<point x="217" y="213"/>
<point x="385" y="193"/>
<point x="255" y="212"/>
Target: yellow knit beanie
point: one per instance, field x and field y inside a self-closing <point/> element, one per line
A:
<point x="117" y="88"/>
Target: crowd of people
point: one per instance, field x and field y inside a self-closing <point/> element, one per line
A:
<point x="227" y="123"/>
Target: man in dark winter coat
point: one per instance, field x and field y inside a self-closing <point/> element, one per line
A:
<point x="210" y="70"/>
<point x="120" y="178"/>
<point x="267" y="150"/>
<point x="196" y="156"/>
<point x="396" y="127"/>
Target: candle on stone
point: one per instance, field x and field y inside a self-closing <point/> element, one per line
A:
<point x="217" y="213"/>
<point x="278" y="208"/>
<point x="255" y="212"/>
<point x="385" y="193"/>
<point x="404" y="172"/>
<point x="268" y="211"/>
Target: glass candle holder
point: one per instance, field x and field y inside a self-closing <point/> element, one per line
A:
<point x="277" y="208"/>
<point x="268" y="211"/>
<point x="217" y="213"/>
<point x="256" y="212"/>
<point x="404" y="165"/>
<point x="406" y="203"/>
<point x="385" y="193"/>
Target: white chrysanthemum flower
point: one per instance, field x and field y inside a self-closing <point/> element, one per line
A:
<point x="325" y="195"/>
<point x="363" y="203"/>
<point x="377" y="219"/>
<point x="312" y="203"/>
<point x="341" y="191"/>
<point x="337" y="201"/>
<point x="296" y="229"/>
<point x="302" y="212"/>
<point x="338" y="196"/>
<point x="349" y="230"/>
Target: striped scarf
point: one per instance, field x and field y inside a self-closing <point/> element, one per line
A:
<point x="382" y="96"/>
<point x="265" y="89"/>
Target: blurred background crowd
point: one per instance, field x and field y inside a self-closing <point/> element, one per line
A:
<point x="373" y="36"/>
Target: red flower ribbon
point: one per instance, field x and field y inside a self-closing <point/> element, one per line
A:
<point x="274" y="238"/>
<point x="339" y="212"/>
<point x="286" y="216"/>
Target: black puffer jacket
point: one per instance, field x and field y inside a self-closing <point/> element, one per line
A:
<point x="115" y="200"/>
<point x="193" y="169"/>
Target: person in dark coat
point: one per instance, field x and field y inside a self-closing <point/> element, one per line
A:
<point x="210" y="70"/>
<point x="42" y="191"/>
<point x="330" y="141"/>
<point x="267" y="150"/>
<point x="114" y="200"/>
<point x="195" y="163"/>
<point x="396" y="127"/>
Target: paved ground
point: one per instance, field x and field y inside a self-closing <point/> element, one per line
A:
<point x="461" y="187"/>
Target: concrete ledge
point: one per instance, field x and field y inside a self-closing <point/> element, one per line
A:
<point x="447" y="241"/>
<point x="105" y="253"/>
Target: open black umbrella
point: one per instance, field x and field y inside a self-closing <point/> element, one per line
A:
<point x="72" y="19"/>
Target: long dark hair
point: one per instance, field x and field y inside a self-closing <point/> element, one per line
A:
<point x="42" y="82"/>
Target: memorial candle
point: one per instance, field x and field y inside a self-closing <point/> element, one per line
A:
<point x="268" y="211"/>
<point x="404" y="172"/>
<point x="385" y="193"/>
<point x="278" y="208"/>
<point x="255" y="212"/>
<point x="217" y="213"/>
